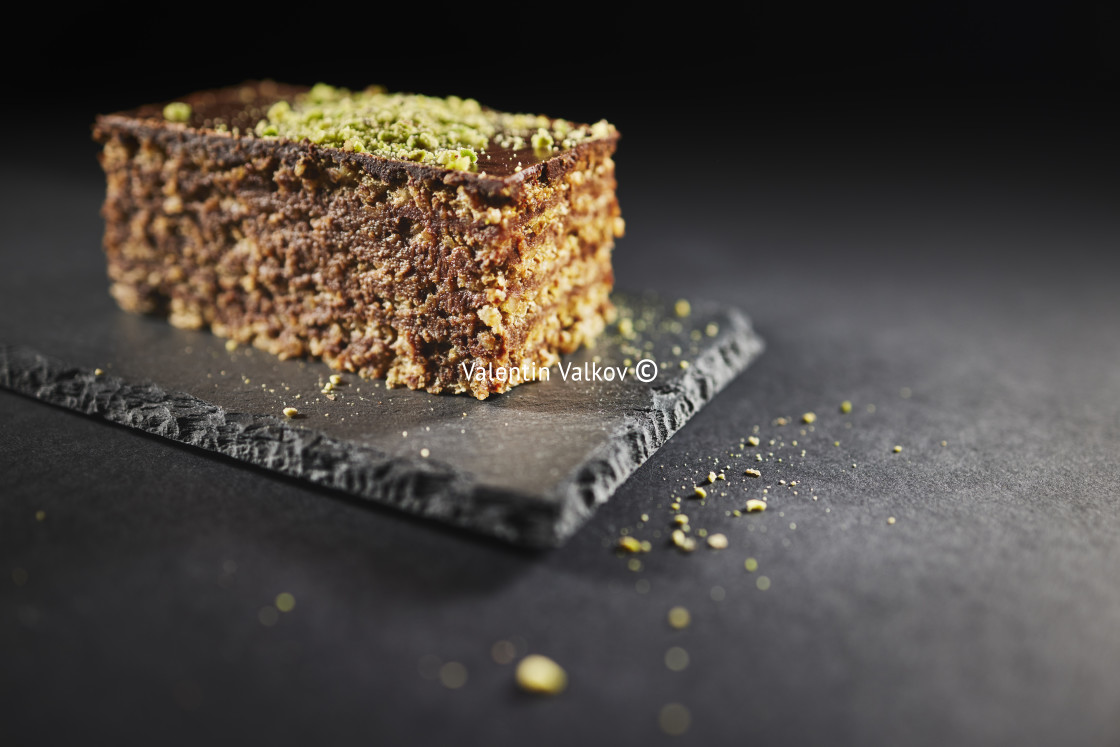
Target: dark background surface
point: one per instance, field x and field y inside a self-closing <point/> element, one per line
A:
<point x="923" y="201"/>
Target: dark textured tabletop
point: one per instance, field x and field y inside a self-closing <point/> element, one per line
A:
<point x="958" y="287"/>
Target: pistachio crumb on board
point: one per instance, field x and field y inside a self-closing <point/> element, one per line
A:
<point x="541" y="675"/>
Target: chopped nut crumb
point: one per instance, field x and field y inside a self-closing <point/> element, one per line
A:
<point x="754" y="505"/>
<point x="290" y="412"/>
<point x="753" y="440"/>
<point x="629" y="544"/>
<point x="681" y="519"/>
<point x="683" y="541"/>
<point x="718" y="542"/>
<point x="676" y="659"/>
<point x="752" y="473"/>
<point x="453" y="675"/>
<point x="701" y="493"/>
<point x="540" y="674"/>
<point x="336" y="379"/>
<point x="674" y="719"/>
<point x="711" y="477"/>
<point x="679" y="618"/>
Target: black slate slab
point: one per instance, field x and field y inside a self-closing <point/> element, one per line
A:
<point x="529" y="466"/>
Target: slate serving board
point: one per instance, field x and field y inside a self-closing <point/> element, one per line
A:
<point x="528" y="467"/>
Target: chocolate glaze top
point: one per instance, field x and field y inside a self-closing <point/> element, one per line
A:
<point x="239" y="108"/>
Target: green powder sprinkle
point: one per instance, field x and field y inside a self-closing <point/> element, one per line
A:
<point x="449" y="132"/>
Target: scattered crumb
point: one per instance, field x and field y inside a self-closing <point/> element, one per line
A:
<point x="540" y="674"/>
<point x="754" y="505"/>
<point x="676" y="659"/>
<point x="285" y="602"/>
<point x="752" y="473"/>
<point x="629" y="544"/>
<point x="845" y="407"/>
<point x="97" y="372"/>
<point x="674" y="719"/>
<point x="683" y="541"/>
<point x="944" y="443"/>
<point x="809" y="417"/>
<point x="753" y="441"/>
<point x="763" y="583"/>
<point x="701" y="493"/>
<point x="425" y="453"/>
<point x="290" y="412"/>
<point x="453" y="675"/>
<point x="681" y="519"/>
<point x="897" y="449"/>
<point x="682" y="308"/>
<point x="711" y="477"/>
<point x="751" y="565"/>
<point x="336" y="379"/>
<point x="679" y="617"/>
<point x="891" y="520"/>
<point x="721" y="476"/>
<point x="718" y="542"/>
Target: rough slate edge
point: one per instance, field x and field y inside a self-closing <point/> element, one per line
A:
<point x="415" y="485"/>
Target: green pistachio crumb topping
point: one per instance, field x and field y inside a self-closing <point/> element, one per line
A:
<point x="177" y="111"/>
<point x="449" y="132"/>
<point x="542" y="140"/>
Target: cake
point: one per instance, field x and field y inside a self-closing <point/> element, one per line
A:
<point x="432" y="242"/>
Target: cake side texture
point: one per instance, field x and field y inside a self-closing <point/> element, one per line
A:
<point x="465" y="276"/>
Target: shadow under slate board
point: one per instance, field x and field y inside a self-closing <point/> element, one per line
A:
<point x="528" y="466"/>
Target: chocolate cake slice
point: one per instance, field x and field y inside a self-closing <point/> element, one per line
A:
<point x="433" y="242"/>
